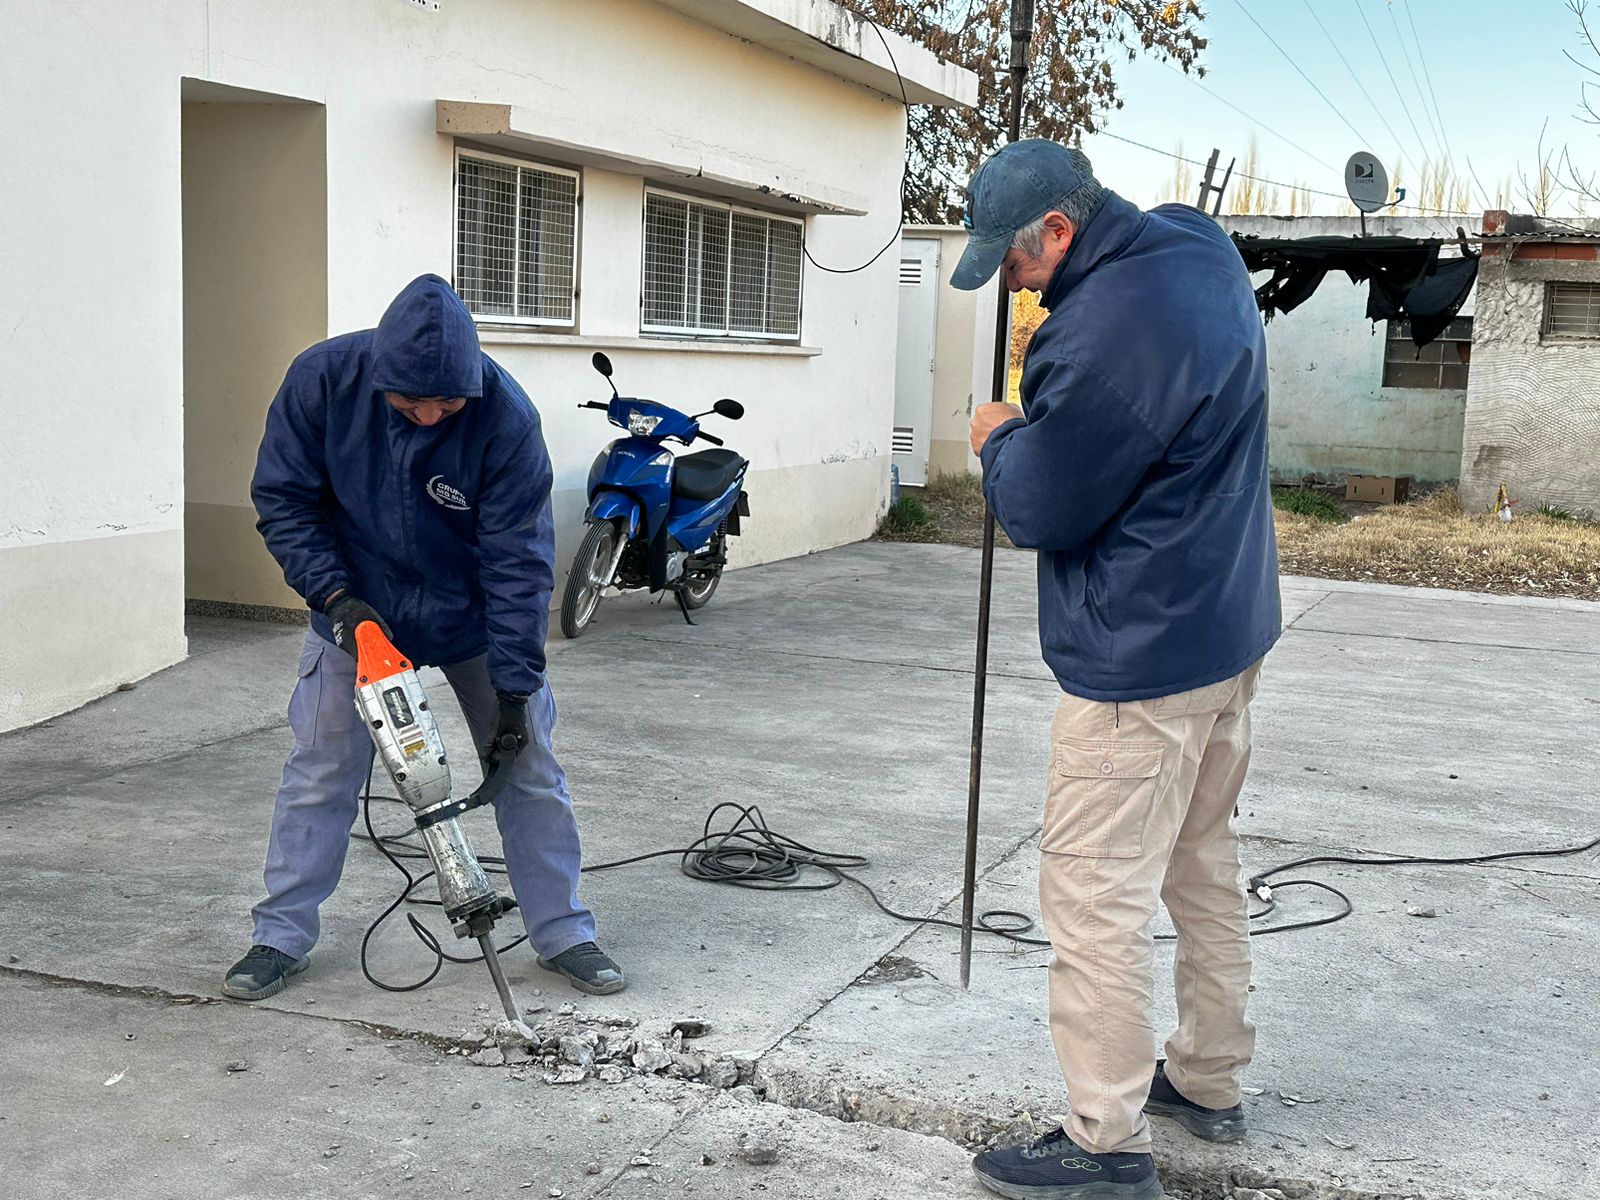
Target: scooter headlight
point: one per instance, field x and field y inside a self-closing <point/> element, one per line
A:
<point x="642" y="424"/>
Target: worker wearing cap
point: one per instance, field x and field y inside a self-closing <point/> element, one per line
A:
<point x="1137" y="468"/>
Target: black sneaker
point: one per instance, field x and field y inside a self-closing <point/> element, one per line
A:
<point x="261" y="973"/>
<point x="1212" y="1124"/>
<point x="1054" y="1167"/>
<point x="587" y="968"/>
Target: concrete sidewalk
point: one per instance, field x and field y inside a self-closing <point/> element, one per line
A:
<point x="1442" y="1056"/>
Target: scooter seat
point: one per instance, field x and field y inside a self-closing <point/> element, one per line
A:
<point x="706" y="474"/>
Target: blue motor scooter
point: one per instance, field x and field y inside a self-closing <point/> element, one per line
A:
<point x="655" y="519"/>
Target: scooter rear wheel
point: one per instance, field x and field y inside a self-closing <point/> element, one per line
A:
<point x="586" y="581"/>
<point x="698" y="586"/>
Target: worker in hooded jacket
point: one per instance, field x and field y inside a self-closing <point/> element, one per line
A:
<point x="403" y="479"/>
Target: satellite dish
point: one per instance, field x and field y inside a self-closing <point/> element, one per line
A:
<point x="1366" y="182"/>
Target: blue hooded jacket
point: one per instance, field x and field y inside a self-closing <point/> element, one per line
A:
<point x="444" y="530"/>
<point x="1139" y="472"/>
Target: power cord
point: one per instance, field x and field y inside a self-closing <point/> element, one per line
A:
<point x="1262" y="887"/>
<point x="748" y="853"/>
<point x="905" y="167"/>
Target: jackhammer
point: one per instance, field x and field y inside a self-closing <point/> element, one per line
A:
<point x="391" y="700"/>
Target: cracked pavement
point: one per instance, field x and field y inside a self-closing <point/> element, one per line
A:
<point x="1443" y="1056"/>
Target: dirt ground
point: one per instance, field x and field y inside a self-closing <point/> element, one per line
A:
<point x="1428" y="542"/>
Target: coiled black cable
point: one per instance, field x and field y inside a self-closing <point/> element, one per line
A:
<point x="748" y="853"/>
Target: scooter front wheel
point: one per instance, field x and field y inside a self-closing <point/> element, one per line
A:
<point x="589" y="577"/>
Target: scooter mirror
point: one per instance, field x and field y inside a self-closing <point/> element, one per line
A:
<point x="602" y="364"/>
<point x="731" y="409"/>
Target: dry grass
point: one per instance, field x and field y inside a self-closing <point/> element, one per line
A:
<point x="954" y="505"/>
<point x="1432" y="543"/>
<point x="1429" y="543"/>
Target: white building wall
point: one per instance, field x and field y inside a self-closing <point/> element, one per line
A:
<point x="1330" y="413"/>
<point x="91" y="351"/>
<point x="91" y="528"/>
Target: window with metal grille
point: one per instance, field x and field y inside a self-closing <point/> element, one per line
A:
<point x="516" y="239"/>
<point x="712" y="269"/>
<point x="1442" y="364"/>
<point x="1571" y="312"/>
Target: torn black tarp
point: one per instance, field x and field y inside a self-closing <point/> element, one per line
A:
<point x="1433" y="303"/>
<point x="1406" y="278"/>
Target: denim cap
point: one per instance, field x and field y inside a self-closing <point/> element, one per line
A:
<point x="1018" y="184"/>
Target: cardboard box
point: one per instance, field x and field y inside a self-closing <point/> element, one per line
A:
<point x="1377" y="489"/>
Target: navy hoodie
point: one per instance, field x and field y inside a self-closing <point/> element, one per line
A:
<point x="1139" y="471"/>
<point x="446" y="530"/>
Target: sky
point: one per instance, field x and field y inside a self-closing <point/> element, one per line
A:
<point x="1497" y="69"/>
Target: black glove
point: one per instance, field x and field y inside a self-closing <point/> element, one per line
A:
<point x="346" y="613"/>
<point x="511" y="718"/>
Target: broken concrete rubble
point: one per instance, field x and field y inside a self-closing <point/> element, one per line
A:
<point x="758" y="1147"/>
<point x="573" y="1048"/>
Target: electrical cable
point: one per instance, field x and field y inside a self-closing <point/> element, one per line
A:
<point x="749" y="854"/>
<point x="1254" y="120"/>
<point x="1290" y="58"/>
<point x="1421" y="141"/>
<point x="1425" y="210"/>
<point x="1362" y="88"/>
<point x="905" y="168"/>
<point x="1428" y="75"/>
<point x="1427" y="115"/>
<point x="424" y="934"/>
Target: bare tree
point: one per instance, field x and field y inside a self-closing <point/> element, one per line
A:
<point x="1252" y="194"/>
<point x="1071" y="85"/>
<point x="1558" y="174"/>
<point x="1180" y="188"/>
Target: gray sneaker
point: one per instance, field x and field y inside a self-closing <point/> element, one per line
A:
<point x="587" y="968"/>
<point x="261" y="973"/>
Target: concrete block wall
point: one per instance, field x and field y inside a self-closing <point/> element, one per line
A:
<point x="1533" y="404"/>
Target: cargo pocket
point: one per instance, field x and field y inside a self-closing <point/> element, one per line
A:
<point x="1100" y="799"/>
<point x="307" y="698"/>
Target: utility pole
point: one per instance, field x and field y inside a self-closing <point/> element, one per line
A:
<point x="1021" y="44"/>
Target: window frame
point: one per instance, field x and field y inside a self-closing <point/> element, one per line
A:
<point x="1549" y="336"/>
<point x="728" y="334"/>
<point x="1397" y="332"/>
<point x="523" y="163"/>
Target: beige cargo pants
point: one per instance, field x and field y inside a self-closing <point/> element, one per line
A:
<point x="1140" y="806"/>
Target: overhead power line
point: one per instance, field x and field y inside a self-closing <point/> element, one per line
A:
<point x="1361" y="87"/>
<point x="1421" y="141"/>
<point x="1311" y="82"/>
<point x="1278" y="183"/>
<point x="1428" y="75"/>
<point x="1444" y="129"/>
<point x="1427" y="115"/>
<point x="1254" y="120"/>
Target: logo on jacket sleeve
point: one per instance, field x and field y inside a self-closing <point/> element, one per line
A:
<point x="446" y="495"/>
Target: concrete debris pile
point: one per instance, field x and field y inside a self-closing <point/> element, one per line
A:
<point x="572" y="1048"/>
